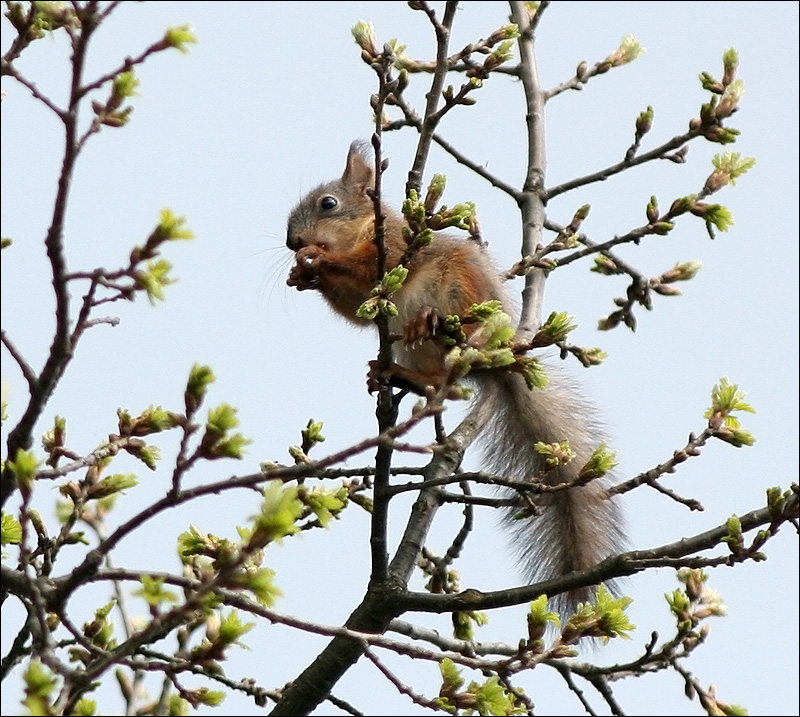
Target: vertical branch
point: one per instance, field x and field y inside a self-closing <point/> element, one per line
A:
<point x="387" y="406"/>
<point x="431" y="117"/>
<point x="386" y="411"/>
<point x="531" y="200"/>
<point x="61" y="348"/>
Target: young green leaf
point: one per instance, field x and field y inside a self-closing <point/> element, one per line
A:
<point x="280" y="511"/>
<point x="153" y="591"/>
<point x="11" y="530"/>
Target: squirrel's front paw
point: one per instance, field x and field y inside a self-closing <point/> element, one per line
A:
<point x="305" y="272"/>
<point x="424" y="324"/>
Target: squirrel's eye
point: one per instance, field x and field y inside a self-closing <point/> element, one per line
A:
<point x="328" y="202"/>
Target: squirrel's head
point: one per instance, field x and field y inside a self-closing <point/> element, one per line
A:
<point x="337" y="214"/>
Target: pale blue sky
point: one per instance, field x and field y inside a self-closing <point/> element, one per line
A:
<point x="262" y="109"/>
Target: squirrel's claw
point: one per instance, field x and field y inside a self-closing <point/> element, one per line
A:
<point x="305" y="272"/>
<point x="424" y="324"/>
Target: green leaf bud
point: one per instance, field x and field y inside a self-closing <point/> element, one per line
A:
<point x="425" y="237"/>
<point x="538" y="618"/>
<point x="503" y="53"/>
<point x="435" y="191"/>
<point x="280" y="511"/>
<point x="179" y="37"/>
<point x="154" y="279"/>
<point x="644" y="122"/>
<point x="387" y="308"/>
<point x="124" y="85"/>
<point x="578" y="218"/>
<point x="730" y="62"/>
<point x="507" y="32"/>
<point x="232" y="447"/>
<point x="197" y="386"/>
<point x="40" y="685"/>
<point x="532" y="372"/>
<point x="325" y="504"/>
<point x="729" y="102"/>
<point x="600" y="462"/>
<point x="312" y="433"/>
<point x="604" y="265"/>
<point x="710" y="84"/>
<point x="714" y="214"/>
<point x="111" y="485"/>
<point x="726" y="398"/>
<point x="24" y="467"/>
<point x="364" y="35"/>
<point x="54" y="439"/>
<point x="735" y="436"/>
<point x="728" y="167"/>
<point x="149" y="455"/>
<point x="497" y="330"/>
<point x="682" y="272"/>
<point x="662" y="228"/>
<point x="682" y="205"/>
<point x="369" y="309"/>
<point x="652" y="210"/>
<point x="222" y="419"/>
<point x="721" y="135"/>
<point x="153" y="591"/>
<point x="393" y="279"/>
<point x="261" y="584"/>
<point x="557" y="326"/>
<point x="591" y="357"/>
<point x="484" y="310"/>
<point x="230" y="629"/>
<point x="629" y="49"/>
<point x="556" y="454"/>
<point x="734" y="526"/>
<point x="171" y="227"/>
<point x="610" y="322"/>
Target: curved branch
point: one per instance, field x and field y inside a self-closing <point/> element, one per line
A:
<point x="617" y="566"/>
<point x="27" y="370"/>
<point x="601" y="175"/>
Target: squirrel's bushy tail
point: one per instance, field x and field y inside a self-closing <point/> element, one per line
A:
<point x="576" y="527"/>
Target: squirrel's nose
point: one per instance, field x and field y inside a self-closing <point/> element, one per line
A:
<point x="295" y="241"/>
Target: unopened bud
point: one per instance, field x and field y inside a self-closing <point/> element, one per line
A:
<point x="683" y="205"/>
<point x="662" y="228"/>
<point x="644" y="122"/>
<point x="435" y="191"/>
<point x="682" y="272"/>
<point x="716" y="181"/>
<point x="652" y="210"/>
<point x="666" y="290"/>
<point x="609" y="322"/>
<point x="721" y="135"/>
<point x="364" y="35"/>
<point x="577" y="219"/>
<point x="730" y="61"/>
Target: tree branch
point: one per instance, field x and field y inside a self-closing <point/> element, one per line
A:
<point x="531" y="203"/>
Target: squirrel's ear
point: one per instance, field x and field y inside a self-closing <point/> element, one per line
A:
<point x="357" y="170"/>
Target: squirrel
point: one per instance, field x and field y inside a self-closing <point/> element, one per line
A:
<point x="332" y="232"/>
